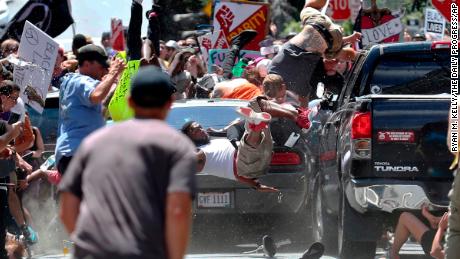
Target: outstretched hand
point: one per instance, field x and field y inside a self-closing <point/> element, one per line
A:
<point x="355" y="37"/>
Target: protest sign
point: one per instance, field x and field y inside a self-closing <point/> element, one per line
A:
<point x="388" y="31"/>
<point x="217" y="56"/>
<point x="205" y="44"/>
<point x="230" y="18"/>
<point x="118" y="106"/>
<point x="117" y="37"/>
<point x="434" y="24"/>
<point x="34" y="77"/>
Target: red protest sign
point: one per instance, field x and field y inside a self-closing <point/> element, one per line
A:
<point x="443" y="7"/>
<point x="118" y="38"/>
<point x="230" y="18"/>
<point x="340" y="9"/>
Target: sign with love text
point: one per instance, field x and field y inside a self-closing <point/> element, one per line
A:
<point x="383" y="32"/>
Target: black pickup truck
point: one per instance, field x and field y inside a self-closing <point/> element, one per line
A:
<point x="381" y="147"/>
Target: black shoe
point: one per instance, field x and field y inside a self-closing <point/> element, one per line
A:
<point x="315" y="251"/>
<point x="268" y="246"/>
<point x="243" y="38"/>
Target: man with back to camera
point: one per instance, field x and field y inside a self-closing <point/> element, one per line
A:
<point x="80" y="98"/>
<point x="134" y="203"/>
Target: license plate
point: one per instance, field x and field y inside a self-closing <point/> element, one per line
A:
<point x="214" y="200"/>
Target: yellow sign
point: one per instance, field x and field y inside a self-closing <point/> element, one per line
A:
<point x="118" y="106"/>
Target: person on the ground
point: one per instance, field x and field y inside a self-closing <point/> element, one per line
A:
<point x="80" y="98"/>
<point x="409" y="224"/>
<point x="146" y="190"/>
<point x="319" y="37"/>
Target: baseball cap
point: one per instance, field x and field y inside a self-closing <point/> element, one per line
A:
<point x="151" y="87"/>
<point x="93" y="52"/>
<point x="172" y="44"/>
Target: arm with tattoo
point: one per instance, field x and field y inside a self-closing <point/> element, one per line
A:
<point x="309" y="39"/>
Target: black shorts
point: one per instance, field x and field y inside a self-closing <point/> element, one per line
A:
<point x="427" y="241"/>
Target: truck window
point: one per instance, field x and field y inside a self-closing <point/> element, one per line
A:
<point x="411" y="73"/>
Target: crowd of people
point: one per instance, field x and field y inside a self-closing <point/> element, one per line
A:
<point x="126" y="190"/>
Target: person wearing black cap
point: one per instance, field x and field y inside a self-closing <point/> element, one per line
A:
<point x="80" y="98"/>
<point x="129" y="189"/>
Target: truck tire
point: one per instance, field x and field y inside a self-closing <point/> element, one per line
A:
<point x="350" y="222"/>
<point x="324" y="225"/>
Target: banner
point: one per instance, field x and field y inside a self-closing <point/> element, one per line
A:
<point x="34" y="78"/>
<point x="217" y="56"/>
<point x="118" y="106"/>
<point x="230" y="18"/>
<point x="51" y="16"/>
<point x="434" y="24"/>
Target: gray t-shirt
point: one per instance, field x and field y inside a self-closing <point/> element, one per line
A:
<point x="123" y="174"/>
<point x="296" y="67"/>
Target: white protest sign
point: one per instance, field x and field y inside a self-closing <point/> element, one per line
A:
<point x="434" y="24"/>
<point x="381" y="32"/>
<point x="41" y="50"/>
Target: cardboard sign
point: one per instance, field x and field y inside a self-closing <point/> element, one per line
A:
<point x="389" y="29"/>
<point x="118" y="106"/>
<point x="40" y="52"/>
<point x="230" y="18"/>
<point x="434" y="24"/>
<point x="217" y="56"/>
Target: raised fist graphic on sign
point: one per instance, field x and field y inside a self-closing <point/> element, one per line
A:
<point x="225" y="18"/>
<point x="206" y="43"/>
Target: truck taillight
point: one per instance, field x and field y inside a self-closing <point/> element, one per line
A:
<point x="361" y="133"/>
<point x="285" y="158"/>
<point x="440" y="45"/>
<point x="361" y="126"/>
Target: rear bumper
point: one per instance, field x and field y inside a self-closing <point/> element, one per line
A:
<point x="244" y="200"/>
<point x="391" y="196"/>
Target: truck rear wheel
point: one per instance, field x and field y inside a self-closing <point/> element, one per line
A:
<point x="324" y="225"/>
<point x="350" y="224"/>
